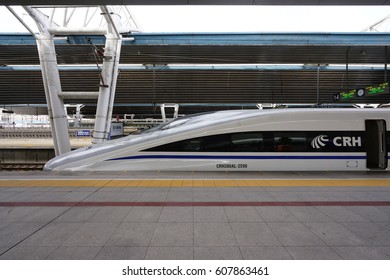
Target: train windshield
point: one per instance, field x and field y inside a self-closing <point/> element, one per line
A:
<point x="175" y="123"/>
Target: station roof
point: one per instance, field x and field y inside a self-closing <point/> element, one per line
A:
<point x="195" y="2"/>
<point x="203" y="69"/>
<point x="211" y="48"/>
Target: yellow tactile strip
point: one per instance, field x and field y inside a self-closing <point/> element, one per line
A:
<point x="173" y="183"/>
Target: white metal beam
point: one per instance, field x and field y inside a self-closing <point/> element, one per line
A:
<point x="109" y="75"/>
<point x="52" y="84"/>
<point x="54" y="95"/>
<point x="79" y="95"/>
<point x="51" y="81"/>
<point x="76" y="31"/>
<point x="107" y="90"/>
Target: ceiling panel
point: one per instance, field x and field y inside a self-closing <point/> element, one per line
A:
<point x="199" y="86"/>
<point x="141" y="91"/>
<point x="81" y="54"/>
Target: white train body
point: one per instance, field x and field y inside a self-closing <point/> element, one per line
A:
<point x="246" y="140"/>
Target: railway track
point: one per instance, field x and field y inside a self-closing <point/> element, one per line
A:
<point x="21" y="166"/>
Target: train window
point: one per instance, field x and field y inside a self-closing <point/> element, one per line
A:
<point x="232" y="142"/>
<point x="290" y="142"/>
<point x="192" y="145"/>
<point x="278" y="141"/>
<point x="216" y="143"/>
<point x="176" y="122"/>
<point x="247" y="142"/>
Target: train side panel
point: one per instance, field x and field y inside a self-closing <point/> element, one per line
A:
<point x="267" y="140"/>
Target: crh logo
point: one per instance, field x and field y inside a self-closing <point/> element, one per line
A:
<point x="338" y="141"/>
<point x="319" y="141"/>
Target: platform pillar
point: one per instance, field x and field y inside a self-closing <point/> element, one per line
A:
<point x="52" y="85"/>
<point x="107" y="89"/>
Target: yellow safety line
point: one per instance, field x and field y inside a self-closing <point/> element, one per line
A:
<point x="175" y="183"/>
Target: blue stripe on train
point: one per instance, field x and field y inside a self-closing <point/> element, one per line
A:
<point x="236" y="157"/>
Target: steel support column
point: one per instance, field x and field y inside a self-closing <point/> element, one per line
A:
<point x="107" y="89"/>
<point x="51" y="79"/>
<point x="52" y="85"/>
<point x="51" y="82"/>
<point x="109" y="75"/>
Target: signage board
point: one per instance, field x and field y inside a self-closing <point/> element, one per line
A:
<point x="362" y="92"/>
<point x="116" y="129"/>
<point x="83" y="133"/>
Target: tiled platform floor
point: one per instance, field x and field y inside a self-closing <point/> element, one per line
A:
<point x="194" y="215"/>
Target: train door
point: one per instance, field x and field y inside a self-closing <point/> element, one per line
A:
<point x="376" y="144"/>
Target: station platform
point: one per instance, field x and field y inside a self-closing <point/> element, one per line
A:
<point x="195" y="215"/>
<point x="40" y="143"/>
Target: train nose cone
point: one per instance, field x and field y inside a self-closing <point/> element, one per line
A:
<point x="50" y="165"/>
<point x="57" y="162"/>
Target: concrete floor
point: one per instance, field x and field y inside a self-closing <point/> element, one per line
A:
<point x="249" y="215"/>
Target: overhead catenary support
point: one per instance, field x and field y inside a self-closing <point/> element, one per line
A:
<point x="78" y="117"/>
<point x="175" y="112"/>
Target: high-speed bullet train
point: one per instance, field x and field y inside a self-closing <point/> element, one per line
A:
<point x="247" y="140"/>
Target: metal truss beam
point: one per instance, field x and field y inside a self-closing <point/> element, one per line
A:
<point x="50" y="72"/>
